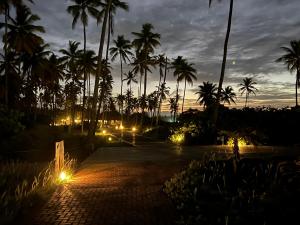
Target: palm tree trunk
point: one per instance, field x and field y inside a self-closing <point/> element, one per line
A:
<point x="5" y="56"/>
<point x="297" y="84"/>
<point x="223" y="63"/>
<point x="121" y="89"/>
<point x="145" y="83"/>
<point x="246" y="100"/>
<point x="84" y="78"/>
<point x="97" y="77"/>
<point x="161" y="93"/>
<point x="176" y="99"/>
<point x="140" y="90"/>
<point x="108" y="35"/>
<point x="183" y="96"/>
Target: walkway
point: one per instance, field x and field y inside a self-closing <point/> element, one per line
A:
<point x="123" y="186"/>
<point x="120" y="186"/>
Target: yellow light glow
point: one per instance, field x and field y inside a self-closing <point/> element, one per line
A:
<point x="117" y="127"/>
<point x="63" y="176"/>
<point x="68" y="118"/>
<point x="177" y="138"/>
<point x="241" y="142"/>
<point x="109" y="139"/>
<point x="133" y="129"/>
<point x="104" y="132"/>
<point x="121" y="127"/>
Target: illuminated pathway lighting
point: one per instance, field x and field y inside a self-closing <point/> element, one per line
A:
<point x="133" y="129"/>
<point x="63" y="177"/>
<point x="104" y="131"/>
<point x="109" y="139"/>
<point x="121" y="127"/>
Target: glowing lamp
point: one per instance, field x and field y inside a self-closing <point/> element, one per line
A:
<point x="63" y="176"/>
<point x="133" y="129"/>
<point x="109" y="139"/>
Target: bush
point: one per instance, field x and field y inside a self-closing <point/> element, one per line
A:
<point x="251" y="191"/>
<point x="9" y="123"/>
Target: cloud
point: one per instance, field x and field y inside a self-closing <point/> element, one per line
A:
<point x="191" y="29"/>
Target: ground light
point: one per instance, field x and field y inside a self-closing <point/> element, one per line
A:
<point x="104" y="132"/>
<point x="109" y="139"/>
<point x="121" y="127"/>
<point x="63" y="176"/>
<point x="241" y="142"/>
<point x="133" y="129"/>
<point x="177" y="138"/>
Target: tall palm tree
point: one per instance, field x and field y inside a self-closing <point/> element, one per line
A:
<point x="88" y="62"/>
<point x="5" y="9"/>
<point x="105" y="89"/>
<point x="116" y="4"/>
<point x="81" y="9"/>
<point x="70" y="58"/>
<point x="292" y="60"/>
<point x="93" y="124"/>
<point x="140" y="65"/>
<point x="219" y="93"/>
<point x="162" y="89"/>
<point x="176" y="64"/>
<point x="187" y="73"/>
<point x="207" y="94"/>
<point x="130" y="77"/>
<point x="146" y="41"/>
<point x="22" y="35"/>
<point x="122" y="49"/>
<point x="228" y="95"/>
<point x="248" y="87"/>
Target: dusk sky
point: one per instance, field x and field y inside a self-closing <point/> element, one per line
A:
<point x="191" y="29"/>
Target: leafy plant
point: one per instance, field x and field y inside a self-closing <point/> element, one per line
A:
<point x="248" y="191"/>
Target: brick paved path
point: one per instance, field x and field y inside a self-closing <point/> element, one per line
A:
<point x="119" y="186"/>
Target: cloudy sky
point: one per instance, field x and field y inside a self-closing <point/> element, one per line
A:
<point x="191" y="29"/>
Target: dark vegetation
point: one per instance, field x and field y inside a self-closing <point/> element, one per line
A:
<point x="249" y="191"/>
<point x="261" y="126"/>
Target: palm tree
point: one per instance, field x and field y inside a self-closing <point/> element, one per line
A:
<point x="130" y="77"/>
<point x="70" y="58"/>
<point x="121" y="49"/>
<point x="207" y="94"/>
<point x="219" y="93"/>
<point x="81" y="9"/>
<point x="145" y="42"/>
<point x="5" y="9"/>
<point x="140" y="65"/>
<point x="116" y="4"/>
<point x="162" y="89"/>
<point x="292" y="60"/>
<point x="228" y="95"/>
<point x="88" y="62"/>
<point x="248" y="87"/>
<point x="187" y="73"/>
<point x="22" y="35"/>
<point x="93" y="124"/>
<point x="105" y="89"/>
<point x="176" y="65"/>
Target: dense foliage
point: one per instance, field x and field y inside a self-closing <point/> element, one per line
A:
<point x="250" y="191"/>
